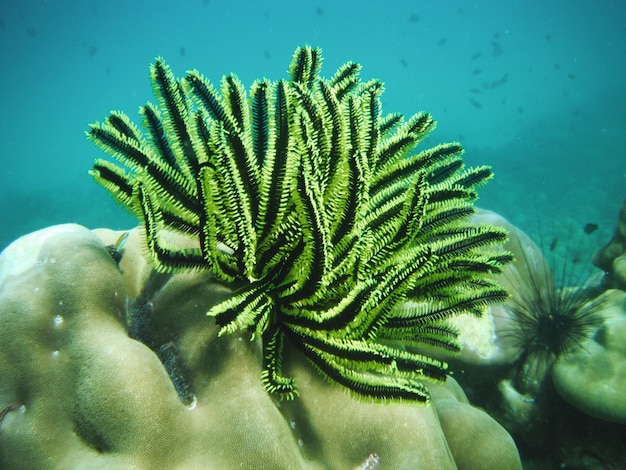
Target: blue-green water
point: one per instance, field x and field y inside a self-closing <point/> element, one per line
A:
<point x="534" y="88"/>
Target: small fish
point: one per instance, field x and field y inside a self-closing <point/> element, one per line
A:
<point x="496" y="49"/>
<point x="500" y="81"/>
<point x="554" y="243"/>
<point x="590" y="228"/>
<point x="115" y="250"/>
<point x="475" y="103"/>
<point x="371" y="462"/>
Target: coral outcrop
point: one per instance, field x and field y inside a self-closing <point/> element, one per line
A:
<point x="567" y="409"/>
<point x="612" y="257"/>
<point x="297" y="222"/>
<point x="78" y="391"/>
<point x="488" y="340"/>
<point x="593" y="377"/>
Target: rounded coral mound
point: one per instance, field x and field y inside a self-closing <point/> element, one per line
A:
<point x="79" y="389"/>
<point x="593" y="378"/>
<point x="611" y="258"/>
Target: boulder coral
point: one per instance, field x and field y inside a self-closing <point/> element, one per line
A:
<point x="488" y="340"/>
<point x="593" y="378"/>
<point x="612" y="257"/>
<point x="79" y="391"/>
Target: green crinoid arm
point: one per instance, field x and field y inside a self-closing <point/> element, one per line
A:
<point x="337" y="235"/>
<point x="369" y="369"/>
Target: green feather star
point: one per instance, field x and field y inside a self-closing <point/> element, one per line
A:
<point x="334" y="234"/>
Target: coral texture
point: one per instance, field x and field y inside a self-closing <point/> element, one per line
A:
<point x="488" y="340"/>
<point x="79" y="392"/>
<point x="593" y="377"/>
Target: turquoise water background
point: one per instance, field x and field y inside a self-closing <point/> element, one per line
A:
<point x="537" y="89"/>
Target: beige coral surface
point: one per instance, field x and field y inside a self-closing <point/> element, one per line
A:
<point x="593" y="377"/>
<point x="79" y="392"/>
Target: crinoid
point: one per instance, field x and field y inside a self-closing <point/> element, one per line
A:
<point x="316" y="210"/>
<point x="555" y="308"/>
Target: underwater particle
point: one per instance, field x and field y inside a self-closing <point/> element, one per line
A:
<point x="192" y="404"/>
<point x="414" y="18"/>
<point x="371" y="462"/>
<point x="92" y="51"/>
<point x="182" y="52"/>
<point x="58" y="319"/>
<point x="590" y="228"/>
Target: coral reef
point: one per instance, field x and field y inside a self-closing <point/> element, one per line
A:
<point x="325" y="251"/>
<point x="565" y="408"/>
<point x="612" y="257"/>
<point x="79" y="392"/>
